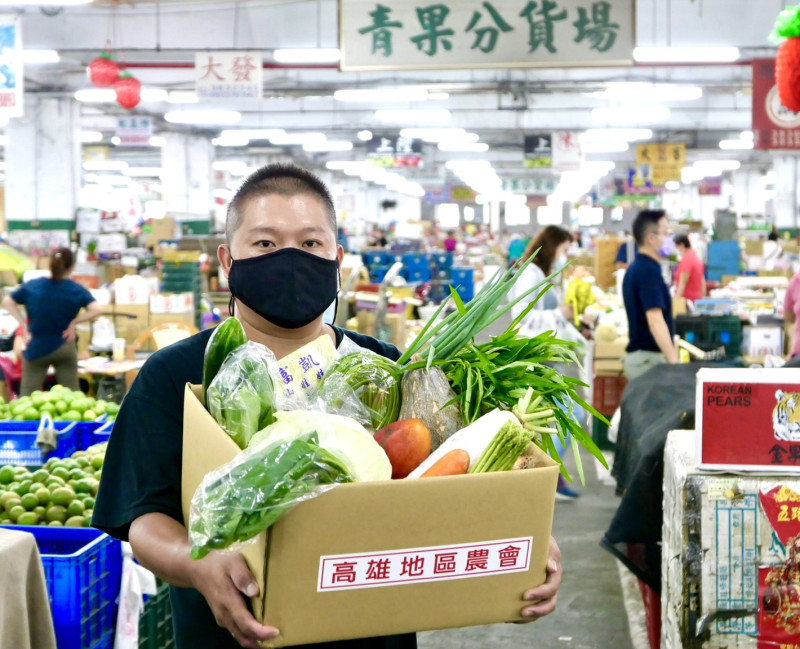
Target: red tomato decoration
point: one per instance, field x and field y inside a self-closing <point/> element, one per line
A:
<point x="129" y="90"/>
<point x="102" y="71"/>
<point x="787" y="73"/>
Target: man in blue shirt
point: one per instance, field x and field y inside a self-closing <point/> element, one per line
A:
<point x="647" y="299"/>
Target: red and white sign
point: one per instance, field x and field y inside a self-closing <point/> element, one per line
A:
<point x="415" y="565"/>
<point x="567" y="151"/>
<point x="134" y="130"/>
<point x="774" y="125"/>
<point x="748" y="419"/>
<point x="223" y="74"/>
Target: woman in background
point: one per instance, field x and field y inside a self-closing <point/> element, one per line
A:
<point x="550" y="312"/>
<point x="690" y="274"/>
<point x="52" y="306"/>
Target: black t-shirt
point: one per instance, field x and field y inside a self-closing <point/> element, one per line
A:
<point x="142" y="474"/>
<point x="643" y="288"/>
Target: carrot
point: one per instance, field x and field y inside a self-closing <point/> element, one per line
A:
<point x="456" y="462"/>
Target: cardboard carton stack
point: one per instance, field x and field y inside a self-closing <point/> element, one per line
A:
<point x="608" y="358"/>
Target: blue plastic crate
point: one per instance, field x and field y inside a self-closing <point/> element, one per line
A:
<point x="417" y="274"/>
<point x="377" y="258"/>
<point x="377" y="273"/>
<point x="103" y="433"/>
<point x="86" y="429"/>
<point x="440" y="261"/>
<point x="464" y="276"/>
<point x="83" y="570"/>
<point x="18" y="442"/>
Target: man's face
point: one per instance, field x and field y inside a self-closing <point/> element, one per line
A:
<point x="661" y="233"/>
<point x="272" y="222"/>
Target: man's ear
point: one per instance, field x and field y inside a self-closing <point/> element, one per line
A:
<point x="225" y="258"/>
<point x="340" y="256"/>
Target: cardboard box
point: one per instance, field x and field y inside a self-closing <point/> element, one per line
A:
<point x="608" y="367"/>
<point x="748" y="419"/>
<point x="186" y="317"/>
<point x="611" y="351"/>
<point x="171" y="303"/>
<point x="762" y="340"/>
<point x="392" y="519"/>
<point x="131" y="320"/>
<point x="395" y="322"/>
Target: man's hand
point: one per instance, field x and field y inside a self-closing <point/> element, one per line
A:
<point x="223" y="579"/>
<point x="543" y="598"/>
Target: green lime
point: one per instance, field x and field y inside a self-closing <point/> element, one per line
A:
<point x="83" y="486"/>
<point x="6" y="474"/>
<point x="83" y="461"/>
<point x="76" y="474"/>
<point x="28" y="518"/>
<point x="89" y="415"/>
<point x="15" y="512"/>
<point x="73" y="415"/>
<point x="22" y="488"/>
<point x="29" y="501"/>
<point x="88" y="502"/>
<point x="12" y="501"/>
<point x="43" y="495"/>
<point x="47" y="407"/>
<point x="97" y="461"/>
<point x="40" y="511"/>
<point x="71" y="464"/>
<point x="62" y="496"/>
<point x="87" y="519"/>
<point x="54" y="481"/>
<point x="61" y="406"/>
<point x="55" y="524"/>
<point x="40" y="475"/>
<point x="31" y="414"/>
<point x="60" y="472"/>
<point x="56" y="513"/>
<point x="76" y="508"/>
<point x="74" y="521"/>
<point x="4" y="518"/>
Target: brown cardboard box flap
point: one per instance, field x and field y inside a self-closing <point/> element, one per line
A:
<point x="407" y="523"/>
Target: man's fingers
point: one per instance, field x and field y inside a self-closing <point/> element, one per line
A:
<point x="242" y="577"/>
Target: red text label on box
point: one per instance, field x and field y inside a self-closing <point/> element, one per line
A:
<point x="414" y="565"/>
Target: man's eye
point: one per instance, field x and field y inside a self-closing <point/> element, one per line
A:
<point x="265" y="244"/>
<point x="312" y="244"/>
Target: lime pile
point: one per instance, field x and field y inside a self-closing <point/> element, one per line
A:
<point x="61" y="493"/>
<point x="62" y="403"/>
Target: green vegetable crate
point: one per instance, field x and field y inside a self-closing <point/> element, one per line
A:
<point x="155" y="624"/>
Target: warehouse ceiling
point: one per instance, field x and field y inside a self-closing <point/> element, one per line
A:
<point x="157" y="42"/>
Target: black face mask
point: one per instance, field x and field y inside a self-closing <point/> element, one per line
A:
<point x="289" y="287"/>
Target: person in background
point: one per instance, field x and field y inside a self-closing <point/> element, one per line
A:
<point x="626" y="253"/>
<point x="280" y="235"/>
<point x="450" y="242"/>
<point x="690" y="277"/>
<point x="52" y="305"/>
<point x="647" y="300"/>
<point x="550" y="312"/>
<point x="773" y="235"/>
<point x="791" y="310"/>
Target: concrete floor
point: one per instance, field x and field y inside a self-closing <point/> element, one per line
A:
<point x="591" y="611"/>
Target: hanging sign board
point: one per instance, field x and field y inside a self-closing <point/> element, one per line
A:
<point x="530" y="186"/>
<point x="658" y="162"/>
<point x="223" y="74"/>
<point x="567" y="151"/>
<point x="11" y="73"/>
<point x="134" y="130"/>
<point x="538" y="151"/>
<point x="394" y="151"/>
<point x="406" y="34"/>
<point x="774" y="125"/>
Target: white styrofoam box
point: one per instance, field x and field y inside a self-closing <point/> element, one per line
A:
<point x="717" y="544"/>
<point x="762" y="340"/>
<point x="101" y="295"/>
<point x="132" y="289"/>
<point x="116" y="242"/>
<point x="171" y="303"/>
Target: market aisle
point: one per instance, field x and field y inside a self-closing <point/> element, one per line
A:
<point x="591" y="611"/>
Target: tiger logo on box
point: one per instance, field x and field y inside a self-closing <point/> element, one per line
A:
<point x="786" y="416"/>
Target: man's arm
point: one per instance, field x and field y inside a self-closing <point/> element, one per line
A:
<point x="683" y="279"/>
<point x="658" y="327"/>
<point x="162" y="546"/>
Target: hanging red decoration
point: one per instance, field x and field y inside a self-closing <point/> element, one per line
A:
<point x="102" y="71"/>
<point x="787" y="63"/>
<point x="129" y="90"/>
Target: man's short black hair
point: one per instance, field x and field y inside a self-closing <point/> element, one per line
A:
<point x="682" y="240"/>
<point x="646" y="222"/>
<point x="278" y="178"/>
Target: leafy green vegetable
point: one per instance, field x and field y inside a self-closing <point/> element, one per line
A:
<point x="243" y="498"/>
<point x="227" y="337"/>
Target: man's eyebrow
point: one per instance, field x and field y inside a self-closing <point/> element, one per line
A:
<point x="266" y="229"/>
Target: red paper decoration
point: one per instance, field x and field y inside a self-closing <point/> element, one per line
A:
<point x="102" y="71"/>
<point x="787" y="73"/>
<point x="128" y="90"/>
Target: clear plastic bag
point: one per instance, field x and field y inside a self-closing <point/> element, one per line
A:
<point x="363" y="386"/>
<point x="242" y="498"/>
<point x="241" y="398"/>
<point x="427" y="396"/>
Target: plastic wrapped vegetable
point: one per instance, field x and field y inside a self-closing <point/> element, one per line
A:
<point x="427" y="396"/>
<point x="244" y="497"/>
<point x="241" y="396"/>
<point x="364" y="386"/>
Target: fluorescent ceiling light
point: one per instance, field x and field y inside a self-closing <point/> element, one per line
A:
<point x="736" y="145"/>
<point x="36" y="56"/>
<point x="3" y="140"/>
<point x="289" y="139"/>
<point x="638" y="91"/>
<point x="685" y="54"/>
<point x="746" y="135"/>
<point x="628" y="114"/>
<point x="3" y="165"/>
<point x="466" y="147"/>
<point x="672" y="185"/>
<point x="717" y="165"/>
<point x="615" y="134"/>
<point x="48" y="3"/>
<point x="690" y="175"/>
<point x="157" y="140"/>
<point x="87" y="137"/>
<point x="438" y="96"/>
<point x="372" y="95"/>
<point x="252" y="133"/>
<point x="203" y="117"/>
<point x="364" y="136"/>
<point x="182" y="97"/>
<point x="604" y="147"/>
<point x="455" y="165"/>
<point x="109" y="96"/>
<point x="153" y="95"/>
<point x="91" y="178"/>
<point x="438" y="134"/>
<point x="115" y="140"/>
<point x="341" y="165"/>
<point x="328" y="145"/>
<point x="307" y="55"/>
<point x="230" y="140"/>
<point x="105" y="165"/>
<point x="143" y="172"/>
<point x="423" y="115"/>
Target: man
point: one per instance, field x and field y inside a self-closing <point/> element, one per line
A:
<point x="625" y="254"/>
<point x="690" y="273"/>
<point x="647" y="299"/>
<point x="282" y="263"/>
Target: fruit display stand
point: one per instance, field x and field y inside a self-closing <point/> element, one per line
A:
<point x="83" y="569"/>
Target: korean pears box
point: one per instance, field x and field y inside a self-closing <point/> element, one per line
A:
<point x="381" y="558"/>
<point x="748" y="419"/>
